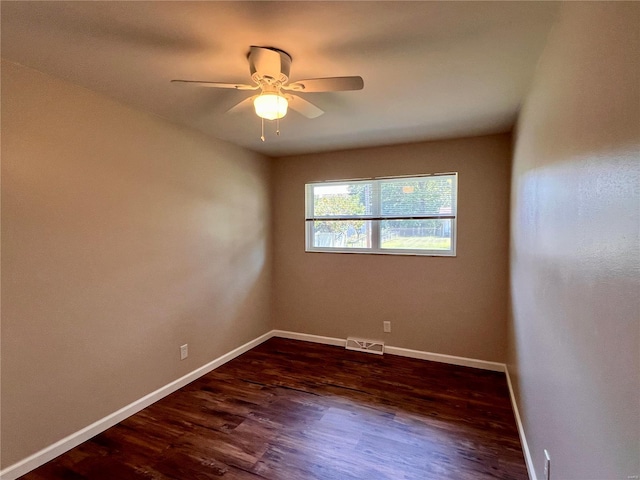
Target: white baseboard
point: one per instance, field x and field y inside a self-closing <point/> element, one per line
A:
<point x="52" y="451"/>
<point x="442" y="358"/>
<point x="402" y="352"/>
<point x="306" y="337"/>
<point x="49" y="453"/>
<point x="523" y="439"/>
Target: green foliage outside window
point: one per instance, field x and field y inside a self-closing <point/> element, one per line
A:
<point x="415" y="214"/>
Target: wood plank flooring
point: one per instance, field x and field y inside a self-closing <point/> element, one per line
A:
<point x="303" y="411"/>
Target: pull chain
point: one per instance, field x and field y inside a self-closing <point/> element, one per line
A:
<point x="277" y="129"/>
<point x="278" y="117"/>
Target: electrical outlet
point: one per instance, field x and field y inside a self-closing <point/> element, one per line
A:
<point x="184" y="351"/>
<point x="547" y="465"/>
<point x="386" y="326"/>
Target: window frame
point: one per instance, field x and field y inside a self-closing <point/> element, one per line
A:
<point x="376" y="219"/>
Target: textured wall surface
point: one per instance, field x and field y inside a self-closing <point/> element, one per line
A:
<point x="575" y="258"/>
<point x="450" y="305"/>
<point x="123" y="237"/>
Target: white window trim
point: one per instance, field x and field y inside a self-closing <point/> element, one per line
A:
<point x="375" y="218"/>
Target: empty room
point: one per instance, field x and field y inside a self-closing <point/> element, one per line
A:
<point x="320" y="240"/>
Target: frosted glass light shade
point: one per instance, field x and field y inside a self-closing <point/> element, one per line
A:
<point x="271" y="106"/>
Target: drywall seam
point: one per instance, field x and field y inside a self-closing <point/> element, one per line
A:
<point x="523" y="439"/>
<point x="52" y="451"/>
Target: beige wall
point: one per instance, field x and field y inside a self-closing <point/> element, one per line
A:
<point x="575" y="259"/>
<point x="123" y="237"/>
<point x="454" y="306"/>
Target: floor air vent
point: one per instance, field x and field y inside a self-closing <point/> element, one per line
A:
<point x="362" y="345"/>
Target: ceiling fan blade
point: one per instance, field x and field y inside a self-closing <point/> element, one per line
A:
<point x="265" y="61"/>
<point x="243" y="105"/>
<point x="329" y="84"/>
<point x="303" y="107"/>
<point x="197" y="83"/>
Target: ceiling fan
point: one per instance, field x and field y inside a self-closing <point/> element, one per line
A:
<point x="269" y="69"/>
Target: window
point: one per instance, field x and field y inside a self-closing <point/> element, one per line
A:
<point x="396" y="215"/>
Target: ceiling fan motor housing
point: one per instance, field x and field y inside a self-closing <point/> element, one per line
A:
<point x="262" y="65"/>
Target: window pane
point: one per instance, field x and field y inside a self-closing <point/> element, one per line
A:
<point x="392" y="215"/>
<point x="416" y="234"/>
<point x="342" y="234"/>
<point x="418" y="196"/>
<point x="342" y="200"/>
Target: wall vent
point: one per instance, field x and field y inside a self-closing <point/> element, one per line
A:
<point x="363" y="345"/>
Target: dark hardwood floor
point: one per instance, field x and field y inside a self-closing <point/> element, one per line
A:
<point x="298" y="410"/>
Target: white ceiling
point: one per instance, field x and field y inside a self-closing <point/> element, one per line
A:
<point x="431" y="69"/>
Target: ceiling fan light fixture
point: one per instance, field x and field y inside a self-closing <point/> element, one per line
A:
<point x="271" y="106"/>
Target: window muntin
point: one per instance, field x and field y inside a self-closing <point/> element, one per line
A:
<point x="399" y="215"/>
